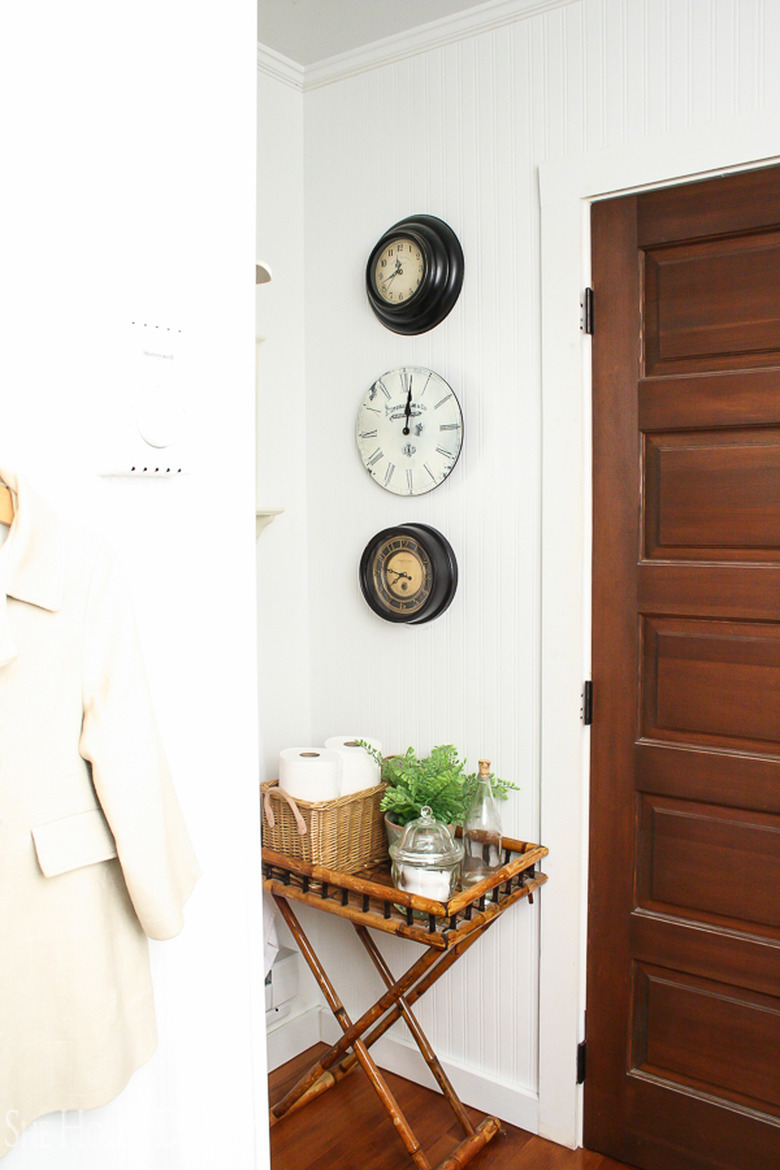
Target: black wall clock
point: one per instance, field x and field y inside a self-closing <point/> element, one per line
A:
<point x="408" y="573"/>
<point x="414" y="274"/>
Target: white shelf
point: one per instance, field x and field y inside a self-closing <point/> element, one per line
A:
<point x="263" y="518"/>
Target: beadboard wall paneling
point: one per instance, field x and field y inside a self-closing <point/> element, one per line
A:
<point x="282" y="573"/>
<point x="459" y="131"/>
<point x="471" y="677"/>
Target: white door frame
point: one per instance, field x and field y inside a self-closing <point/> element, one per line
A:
<point x="567" y="189"/>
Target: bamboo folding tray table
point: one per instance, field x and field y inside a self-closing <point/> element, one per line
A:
<point x="447" y="929"/>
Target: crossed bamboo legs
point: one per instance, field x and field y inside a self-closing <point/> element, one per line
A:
<point x="396" y="1002"/>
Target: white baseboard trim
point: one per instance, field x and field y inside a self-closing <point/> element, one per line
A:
<point x="513" y="1104"/>
<point x="293" y="1035"/>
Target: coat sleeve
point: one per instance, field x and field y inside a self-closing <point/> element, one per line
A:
<point x="121" y="742"/>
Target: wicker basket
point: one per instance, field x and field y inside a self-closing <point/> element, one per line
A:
<point x="343" y="834"/>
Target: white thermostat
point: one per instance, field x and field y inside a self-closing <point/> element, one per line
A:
<point x="149" y="423"/>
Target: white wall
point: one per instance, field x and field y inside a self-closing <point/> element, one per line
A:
<point x="284" y="674"/>
<point x="128" y="162"/>
<point x="460" y="129"/>
<point x="281" y="420"/>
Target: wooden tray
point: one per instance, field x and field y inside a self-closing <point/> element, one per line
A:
<point x="369" y="898"/>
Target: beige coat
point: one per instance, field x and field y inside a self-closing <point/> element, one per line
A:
<point x="94" y="855"/>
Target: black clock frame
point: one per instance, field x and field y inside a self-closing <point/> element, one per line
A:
<point x="442" y="278"/>
<point x="444" y="571"/>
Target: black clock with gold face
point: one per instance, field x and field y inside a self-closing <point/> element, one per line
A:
<point x="414" y="274"/>
<point x="408" y="573"/>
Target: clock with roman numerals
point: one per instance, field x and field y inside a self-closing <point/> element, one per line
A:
<point x="408" y="573"/>
<point x="409" y="430"/>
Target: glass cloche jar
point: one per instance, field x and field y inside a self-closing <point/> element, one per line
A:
<point x="426" y="861"/>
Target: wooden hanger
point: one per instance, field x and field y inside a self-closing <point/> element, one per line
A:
<point x="6" y="505"/>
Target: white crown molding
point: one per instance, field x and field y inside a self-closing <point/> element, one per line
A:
<point x="279" y="67"/>
<point x="434" y="35"/>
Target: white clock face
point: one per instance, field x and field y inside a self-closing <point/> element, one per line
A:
<point x="399" y="271"/>
<point x="409" y="430"/>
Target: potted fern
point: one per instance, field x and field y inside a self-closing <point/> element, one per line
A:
<point x="439" y="781"/>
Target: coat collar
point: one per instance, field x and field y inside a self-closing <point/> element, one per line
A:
<point x="32" y="558"/>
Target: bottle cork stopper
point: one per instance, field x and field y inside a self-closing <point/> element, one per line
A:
<point x="484" y="767"/>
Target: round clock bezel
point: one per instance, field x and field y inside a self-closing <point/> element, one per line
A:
<point x="442" y="276"/>
<point x="443" y="572"/>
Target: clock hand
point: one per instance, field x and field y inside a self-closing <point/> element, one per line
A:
<point x="408" y="408"/>
<point x="397" y="272"/>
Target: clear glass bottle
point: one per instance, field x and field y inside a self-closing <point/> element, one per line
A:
<point x="481" y="831"/>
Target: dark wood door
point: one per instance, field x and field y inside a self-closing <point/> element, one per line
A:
<point x="683" y="1022"/>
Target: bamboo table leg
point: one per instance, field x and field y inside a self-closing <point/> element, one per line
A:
<point x="351" y="1031"/>
<point x="444" y="962"/>
<point x="394" y="1004"/>
<point x="420" y="1039"/>
<point x="405" y="1131"/>
<point x="332" y="1076"/>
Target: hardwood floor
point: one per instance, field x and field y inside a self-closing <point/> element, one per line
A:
<point x="348" y="1129"/>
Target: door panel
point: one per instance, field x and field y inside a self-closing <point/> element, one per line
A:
<point x="712" y="304"/>
<point x="711" y="683"/>
<point x="713" y="495"/>
<point x="708" y="1036"/>
<point x="684" y="905"/>
<point x="687" y="847"/>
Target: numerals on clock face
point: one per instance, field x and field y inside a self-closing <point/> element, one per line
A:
<point x="409" y="430"/>
<point x="402" y="575"/>
<point x="408" y="573"/>
<point x="399" y="271"/>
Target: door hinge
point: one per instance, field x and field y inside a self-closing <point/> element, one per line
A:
<point x="586" y="320"/>
<point x="582" y="1050"/>
<point x="587" y="703"/>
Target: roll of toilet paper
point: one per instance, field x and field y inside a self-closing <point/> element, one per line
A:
<point x="359" y="770"/>
<point x="312" y="773"/>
